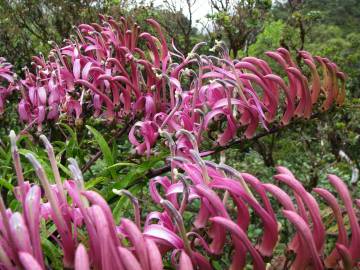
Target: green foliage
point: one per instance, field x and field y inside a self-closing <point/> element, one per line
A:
<point x="269" y="39"/>
<point x="105" y="149"/>
<point x="343" y="48"/>
<point x="26" y="26"/>
<point x="239" y="22"/>
<point x="251" y="28"/>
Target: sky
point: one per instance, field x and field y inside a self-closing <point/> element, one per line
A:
<point x="200" y="9"/>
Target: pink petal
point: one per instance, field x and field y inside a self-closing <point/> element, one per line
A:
<point x="344" y="194"/>
<point x="76" y="69"/>
<point x="81" y="258"/>
<point x="128" y="259"/>
<point x="307" y="239"/>
<point x="238" y="233"/>
<point x="185" y="262"/>
<point x="29" y="261"/>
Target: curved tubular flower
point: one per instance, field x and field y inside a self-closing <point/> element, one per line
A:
<point x="164" y="48"/>
<point x="20" y="233"/>
<point x="106" y="70"/>
<point x="7" y="82"/>
<point x="185" y="262"/>
<point x="330" y="199"/>
<point x="29" y="262"/>
<point x="354" y="247"/>
<point x="138" y="241"/>
<point x="148" y="131"/>
<point x="316" y="84"/>
<point x="163" y="236"/>
<point x="230" y="130"/>
<point x="313" y="207"/>
<point x="270" y="237"/>
<point x="32" y="217"/>
<point x="135" y="203"/>
<point x="128" y="260"/>
<point x="81" y="258"/>
<point x="62" y="221"/>
<point x="97" y="199"/>
<point x="260" y="190"/>
<point x="126" y="247"/>
<point x="238" y="233"/>
<point x="290" y="101"/>
<point x="345" y="255"/>
<point x="305" y="234"/>
<point x="305" y="105"/>
<point x="216" y="208"/>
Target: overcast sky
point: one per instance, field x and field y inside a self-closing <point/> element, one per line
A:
<point x="200" y="9"/>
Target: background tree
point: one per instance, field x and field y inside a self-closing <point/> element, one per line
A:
<point x="238" y="22"/>
<point x="26" y="26"/>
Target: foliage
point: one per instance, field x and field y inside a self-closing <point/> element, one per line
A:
<point x="139" y="108"/>
<point x="268" y="39"/>
<point x="239" y="22"/>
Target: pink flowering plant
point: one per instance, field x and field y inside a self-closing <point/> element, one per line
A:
<point x="81" y="222"/>
<point x="174" y="112"/>
<point x="7" y="82"/>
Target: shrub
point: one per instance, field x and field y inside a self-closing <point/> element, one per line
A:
<point x="193" y="102"/>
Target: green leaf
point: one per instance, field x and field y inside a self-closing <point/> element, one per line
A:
<point x="105" y="149"/>
<point x="71" y="144"/>
<point x="4" y="154"/>
<point x="93" y="182"/>
<point x="64" y="169"/>
<point x="119" y="165"/>
<point x="52" y="253"/>
<point x="43" y="161"/>
<point x="70" y="130"/>
<point x="140" y="171"/>
<point x="123" y="204"/>
<point x="6" y="184"/>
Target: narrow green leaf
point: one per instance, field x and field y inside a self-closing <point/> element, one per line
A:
<point x="6" y="184"/>
<point x="52" y="253"/>
<point x="105" y="149"/>
<point x="71" y="144"/>
<point x="123" y="204"/>
<point x="120" y="164"/>
<point x="64" y="169"/>
<point x="93" y="182"/>
<point x="43" y="161"/>
<point x="139" y="171"/>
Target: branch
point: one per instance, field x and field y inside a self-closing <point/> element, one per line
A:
<point x="276" y="129"/>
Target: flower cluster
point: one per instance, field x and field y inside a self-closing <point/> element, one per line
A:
<point x="114" y="70"/>
<point x="225" y="197"/>
<point x="102" y="69"/>
<point x="7" y="82"/>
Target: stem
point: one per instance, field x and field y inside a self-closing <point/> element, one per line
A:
<point x="17" y="165"/>
<point x="239" y="141"/>
<point x="48" y="192"/>
<point x="135" y="203"/>
<point x="54" y="167"/>
<point x="186" y="192"/>
<point x="179" y="223"/>
<point x="16" y="158"/>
